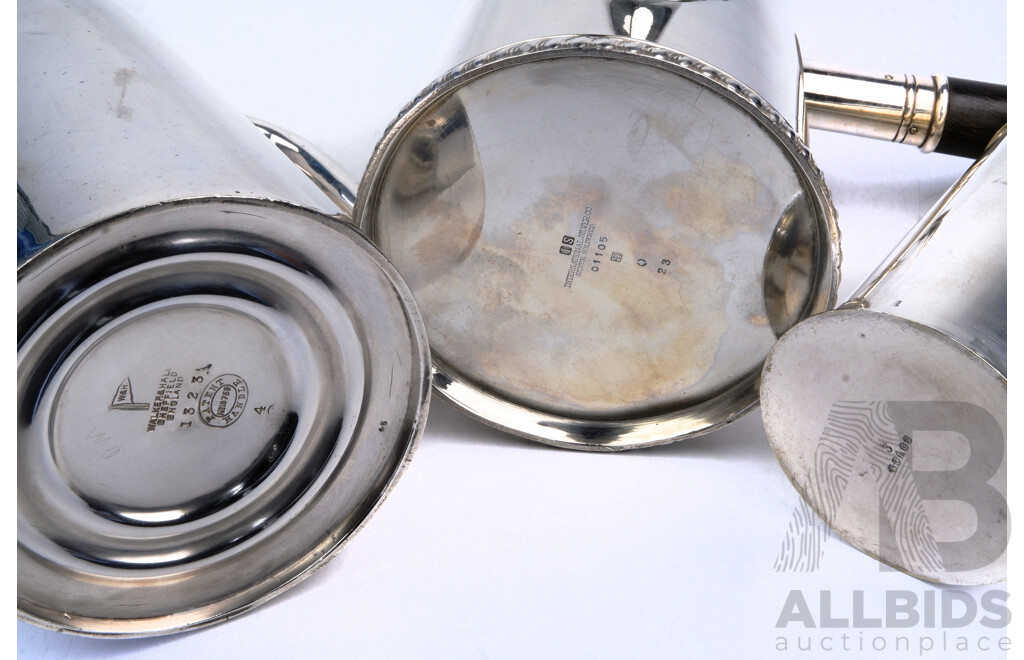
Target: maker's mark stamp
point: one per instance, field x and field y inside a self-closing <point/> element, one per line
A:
<point x="223" y="400"/>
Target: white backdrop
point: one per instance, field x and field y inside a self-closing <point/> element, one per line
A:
<point x="494" y="547"/>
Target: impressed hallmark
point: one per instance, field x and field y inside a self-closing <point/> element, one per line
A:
<point x="223" y="400"/>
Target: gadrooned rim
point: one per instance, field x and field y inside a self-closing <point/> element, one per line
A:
<point x="544" y="427"/>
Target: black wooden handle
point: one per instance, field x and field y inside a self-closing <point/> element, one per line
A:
<point x="976" y="111"/>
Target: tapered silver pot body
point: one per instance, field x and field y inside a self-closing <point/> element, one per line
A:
<point x="750" y="40"/>
<point x="109" y="122"/>
<point x="218" y="380"/>
<point x="607" y="233"/>
<point x="889" y="413"/>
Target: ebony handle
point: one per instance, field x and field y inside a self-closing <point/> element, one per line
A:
<point x="935" y="113"/>
<point x="977" y="110"/>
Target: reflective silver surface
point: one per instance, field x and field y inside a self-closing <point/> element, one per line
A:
<point x="605" y="235"/>
<point x="203" y="422"/>
<point x="889" y="414"/>
<point x="954" y="263"/>
<point x="107" y="123"/>
<point x="750" y="40"/>
<point x="897" y="107"/>
<point x="218" y="383"/>
<point x="315" y="164"/>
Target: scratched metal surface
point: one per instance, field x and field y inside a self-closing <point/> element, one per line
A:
<point x="493" y="547"/>
<point x="586" y="235"/>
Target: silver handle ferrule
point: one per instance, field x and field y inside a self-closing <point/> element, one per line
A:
<point x="900" y="108"/>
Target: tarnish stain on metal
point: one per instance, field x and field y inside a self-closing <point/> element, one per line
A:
<point x="564" y="200"/>
<point x="516" y="326"/>
<point x="435" y="204"/>
<point x="696" y="200"/>
<point x="122" y="77"/>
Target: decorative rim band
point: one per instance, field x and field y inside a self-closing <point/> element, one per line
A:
<point x="591" y="45"/>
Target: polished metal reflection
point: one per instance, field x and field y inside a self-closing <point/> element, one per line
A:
<point x="950" y="271"/>
<point x="750" y="40"/>
<point x="900" y="108"/>
<point x="640" y="20"/>
<point x="606" y="235"/>
<point x="892" y="408"/>
<point x="437" y="203"/>
<point x="135" y="129"/>
<point x="205" y="413"/>
<point x="33" y="234"/>
<point x="218" y="381"/>
<point x="315" y="164"/>
<point x="790" y="268"/>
